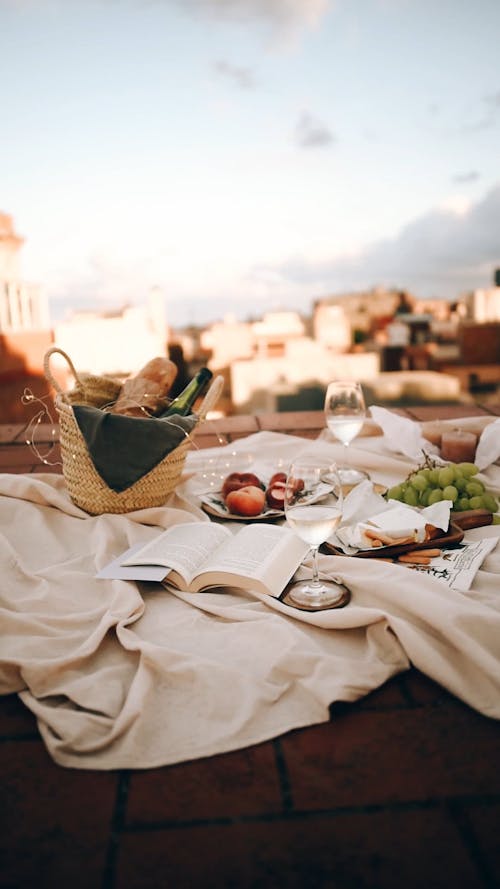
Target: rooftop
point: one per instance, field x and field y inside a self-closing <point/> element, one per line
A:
<point x="401" y="789"/>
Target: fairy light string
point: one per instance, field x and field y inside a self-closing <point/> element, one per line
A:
<point x="42" y="414"/>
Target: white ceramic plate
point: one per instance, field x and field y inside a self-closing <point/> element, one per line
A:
<point x="214" y="505"/>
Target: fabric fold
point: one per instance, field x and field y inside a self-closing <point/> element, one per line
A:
<point x="125" y="675"/>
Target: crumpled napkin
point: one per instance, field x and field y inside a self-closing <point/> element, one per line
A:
<point x="364" y="510"/>
<point x="488" y="448"/>
<point x="402" y="435"/>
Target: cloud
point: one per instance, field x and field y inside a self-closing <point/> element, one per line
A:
<point x="487" y="116"/>
<point x="311" y="132"/>
<point x="242" y="77"/>
<point x="493" y="100"/>
<point x="283" y="15"/>
<point x="465" y="178"/>
<point x="442" y="253"/>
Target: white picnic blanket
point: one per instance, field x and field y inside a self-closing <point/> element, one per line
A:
<point x="126" y="675"/>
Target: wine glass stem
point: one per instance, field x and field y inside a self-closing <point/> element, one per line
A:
<point x="346" y="453"/>
<point x="315" y="577"/>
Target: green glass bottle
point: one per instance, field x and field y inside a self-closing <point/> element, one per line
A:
<point x="184" y="402"/>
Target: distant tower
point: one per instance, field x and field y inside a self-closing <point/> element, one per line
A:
<point x="10" y="245"/>
<point x="21" y="305"/>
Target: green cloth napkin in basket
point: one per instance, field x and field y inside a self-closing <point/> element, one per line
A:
<point x="123" y="449"/>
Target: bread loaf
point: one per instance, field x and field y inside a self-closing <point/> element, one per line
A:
<point x="144" y="394"/>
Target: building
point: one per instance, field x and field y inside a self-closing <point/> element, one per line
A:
<point x="25" y="333"/>
<point x="118" y="342"/>
<point x="483" y="305"/>
<point x="22" y="306"/>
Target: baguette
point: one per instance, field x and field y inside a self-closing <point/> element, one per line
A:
<point x="385" y="540"/>
<point x="144" y="394"/>
<point x="428" y="553"/>
<point x="414" y="559"/>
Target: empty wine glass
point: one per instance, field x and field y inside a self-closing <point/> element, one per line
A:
<point x="313" y="508"/>
<point x="345" y="411"/>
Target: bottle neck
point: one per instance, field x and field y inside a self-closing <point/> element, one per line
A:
<point x="186" y="399"/>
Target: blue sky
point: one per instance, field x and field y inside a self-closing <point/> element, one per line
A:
<point x="250" y="153"/>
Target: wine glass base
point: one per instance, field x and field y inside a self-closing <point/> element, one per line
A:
<point x="351" y="476"/>
<point x="305" y="595"/>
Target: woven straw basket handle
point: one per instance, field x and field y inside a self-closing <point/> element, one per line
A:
<point x="48" y="373"/>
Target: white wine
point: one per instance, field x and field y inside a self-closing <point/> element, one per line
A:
<point x="314" y="523"/>
<point x="345" y="428"/>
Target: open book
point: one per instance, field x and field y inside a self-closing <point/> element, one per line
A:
<point x="196" y="556"/>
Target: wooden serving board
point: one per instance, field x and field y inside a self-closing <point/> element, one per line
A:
<point x="453" y="536"/>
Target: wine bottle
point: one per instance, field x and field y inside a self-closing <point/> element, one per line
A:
<point x="185" y="400"/>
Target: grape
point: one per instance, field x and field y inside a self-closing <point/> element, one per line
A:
<point x="474" y="489"/>
<point x="460" y="483"/>
<point x="476" y="502"/>
<point x="496" y="520"/>
<point x="395" y="493"/>
<point x="434" y="476"/>
<point x="445" y="476"/>
<point x="423" y="497"/>
<point x="410" y="497"/>
<point x="490" y="502"/>
<point x="450" y="493"/>
<point x="468" y="469"/>
<point x="461" y="504"/>
<point x="435" y="496"/>
<point x="419" y="482"/>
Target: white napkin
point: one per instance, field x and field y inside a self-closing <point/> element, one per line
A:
<point x="361" y="502"/>
<point x="402" y="435"/>
<point x="488" y="449"/>
<point x="364" y="510"/>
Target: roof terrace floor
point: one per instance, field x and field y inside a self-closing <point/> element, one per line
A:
<point x="401" y="789"/>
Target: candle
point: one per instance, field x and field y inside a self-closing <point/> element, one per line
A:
<point x="458" y="447"/>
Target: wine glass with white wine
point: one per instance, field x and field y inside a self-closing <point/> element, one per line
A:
<point x="345" y="412"/>
<point x="313" y="508"/>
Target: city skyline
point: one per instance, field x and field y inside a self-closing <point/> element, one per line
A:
<point x="251" y="155"/>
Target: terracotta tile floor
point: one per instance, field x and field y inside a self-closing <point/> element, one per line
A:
<point x="398" y="791"/>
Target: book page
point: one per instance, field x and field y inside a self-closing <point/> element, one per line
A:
<point x="264" y="554"/>
<point x="182" y="548"/>
<point x="116" y="570"/>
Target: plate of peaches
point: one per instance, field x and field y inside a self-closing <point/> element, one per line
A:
<point x="244" y="497"/>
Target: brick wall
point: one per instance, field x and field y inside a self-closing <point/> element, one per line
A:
<point x="21" y="366"/>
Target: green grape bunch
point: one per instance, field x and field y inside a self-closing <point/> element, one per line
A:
<point x="457" y="482"/>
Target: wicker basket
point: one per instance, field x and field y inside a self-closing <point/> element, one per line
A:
<point x="85" y="486"/>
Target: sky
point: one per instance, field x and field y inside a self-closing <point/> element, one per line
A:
<point x="250" y="155"/>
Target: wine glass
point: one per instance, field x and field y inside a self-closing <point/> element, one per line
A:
<point x="345" y="411"/>
<point x="313" y="508"/>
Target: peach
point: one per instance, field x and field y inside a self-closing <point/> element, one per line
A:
<point x="246" y="501"/>
<point x="277" y="477"/>
<point x="237" y="480"/>
<point x="275" y="495"/>
<point x="298" y="485"/>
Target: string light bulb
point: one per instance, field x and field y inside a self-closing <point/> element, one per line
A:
<point x="28" y="398"/>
